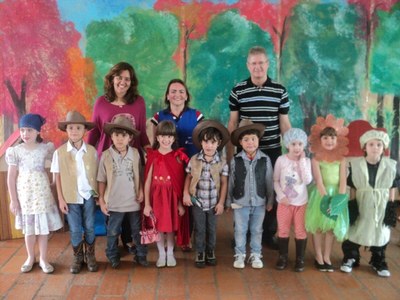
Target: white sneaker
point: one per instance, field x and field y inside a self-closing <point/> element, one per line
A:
<point x="347" y="267"/>
<point x="239" y="261"/>
<point x="382" y="271"/>
<point x="171" y="261"/>
<point x="255" y="261"/>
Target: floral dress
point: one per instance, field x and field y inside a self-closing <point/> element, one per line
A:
<point x="39" y="212"/>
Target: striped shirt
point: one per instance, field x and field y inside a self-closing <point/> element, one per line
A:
<point x="261" y="105"/>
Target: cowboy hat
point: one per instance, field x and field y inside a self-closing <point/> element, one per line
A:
<point x="245" y="125"/>
<point x="121" y="122"/>
<point x="74" y="117"/>
<point x="206" y="124"/>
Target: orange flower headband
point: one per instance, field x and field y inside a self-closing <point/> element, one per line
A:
<point x="340" y="150"/>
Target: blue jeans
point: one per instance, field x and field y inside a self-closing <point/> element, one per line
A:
<point x="82" y="216"/>
<point x="114" y="229"/>
<point x="205" y="223"/>
<point x="248" y="217"/>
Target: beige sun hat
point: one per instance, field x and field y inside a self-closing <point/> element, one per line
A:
<point x="375" y="135"/>
<point x="121" y="122"/>
<point x="206" y="124"/>
<point x="74" y="117"/>
<point x="244" y="125"/>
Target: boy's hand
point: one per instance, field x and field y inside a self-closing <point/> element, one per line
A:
<point x="181" y="210"/>
<point x="219" y="209"/>
<point x="147" y="210"/>
<point x="15" y="208"/>
<point x="140" y="197"/>
<point x="63" y="206"/>
<point x="103" y="207"/>
<point x="186" y="200"/>
<point x="269" y="207"/>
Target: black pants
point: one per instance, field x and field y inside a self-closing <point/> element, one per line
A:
<point x="352" y="250"/>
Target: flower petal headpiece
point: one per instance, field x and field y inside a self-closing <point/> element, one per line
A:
<point x="340" y="150"/>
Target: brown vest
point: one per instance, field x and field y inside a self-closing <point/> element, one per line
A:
<point x="197" y="167"/>
<point x="67" y="166"/>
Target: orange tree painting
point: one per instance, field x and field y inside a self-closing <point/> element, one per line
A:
<point x="338" y="57"/>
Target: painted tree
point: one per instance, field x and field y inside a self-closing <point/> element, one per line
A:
<point x="42" y="69"/>
<point x="194" y="19"/>
<point x="272" y="17"/>
<point x="219" y="61"/>
<point x="320" y="62"/>
<point x="367" y="24"/>
<point x="385" y="71"/>
<point x="146" y="39"/>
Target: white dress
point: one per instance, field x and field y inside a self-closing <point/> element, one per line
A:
<point x="39" y="212"/>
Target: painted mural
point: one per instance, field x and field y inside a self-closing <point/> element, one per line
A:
<point x="340" y="57"/>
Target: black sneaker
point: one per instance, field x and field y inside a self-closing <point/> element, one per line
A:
<point x="115" y="262"/>
<point x="200" y="260"/>
<point x="141" y="260"/>
<point x="210" y="258"/>
<point x="328" y="267"/>
<point x="381" y="269"/>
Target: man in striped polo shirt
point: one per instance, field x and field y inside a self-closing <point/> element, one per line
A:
<point x="263" y="101"/>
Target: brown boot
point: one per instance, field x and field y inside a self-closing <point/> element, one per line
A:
<point x="78" y="259"/>
<point x="90" y="257"/>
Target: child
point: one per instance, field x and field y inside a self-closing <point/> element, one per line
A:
<point x="32" y="202"/>
<point x="329" y="144"/>
<point x="250" y="188"/>
<point x="372" y="180"/>
<point x="292" y="174"/>
<point x="163" y="188"/>
<point x="75" y="168"/>
<point x="207" y="183"/>
<point x="120" y="188"/>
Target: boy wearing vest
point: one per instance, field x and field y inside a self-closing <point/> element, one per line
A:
<point x="250" y="192"/>
<point x="206" y="186"/>
<point x="120" y="188"/>
<point x="75" y="167"/>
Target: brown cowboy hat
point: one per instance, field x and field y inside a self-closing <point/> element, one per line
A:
<point x="206" y="124"/>
<point x="244" y="125"/>
<point x="121" y="122"/>
<point x="74" y="117"/>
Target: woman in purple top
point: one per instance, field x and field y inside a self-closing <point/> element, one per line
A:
<point x="121" y="97"/>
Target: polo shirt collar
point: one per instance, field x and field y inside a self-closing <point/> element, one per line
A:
<point x="70" y="147"/>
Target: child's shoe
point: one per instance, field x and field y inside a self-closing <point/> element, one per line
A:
<point x="210" y="258"/>
<point x="162" y="261"/>
<point x="77" y="263"/>
<point x="141" y="260"/>
<point x="381" y="269"/>
<point x="347" y="266"/>
<point x="171" y="261"/>
<point x="91" y="257"/>
<point x="46" y="268"/>
<point x="115" y="262"/>
<point x="255" y="261"/>
<point x="239" y="261"/>
<point x="200" y="260"/>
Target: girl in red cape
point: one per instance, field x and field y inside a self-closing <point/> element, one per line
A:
<point x="164" y="180"/>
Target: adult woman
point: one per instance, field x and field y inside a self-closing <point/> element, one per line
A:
<point x="177" y="99"/>
<point x="121" y="97"/>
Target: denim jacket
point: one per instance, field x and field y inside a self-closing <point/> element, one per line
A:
<point x="251" y="197"/>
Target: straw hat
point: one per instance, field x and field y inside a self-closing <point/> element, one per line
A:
<point x="121" y="122"/>
<point x="74" y="117"/>
<point x="206" y="124"/>
<point x="244" y="125"/>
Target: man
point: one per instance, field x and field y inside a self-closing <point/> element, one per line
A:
<point x="263" y="101"/>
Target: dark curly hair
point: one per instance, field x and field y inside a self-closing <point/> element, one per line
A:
<point x="132" y="93"/>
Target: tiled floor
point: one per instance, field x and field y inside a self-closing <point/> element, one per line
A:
<point x="187" y="282"/>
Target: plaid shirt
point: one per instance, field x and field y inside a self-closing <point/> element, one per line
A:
<point x="206" y="189"/>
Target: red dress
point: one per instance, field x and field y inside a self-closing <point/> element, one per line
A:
<point x="166" y="190"/>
